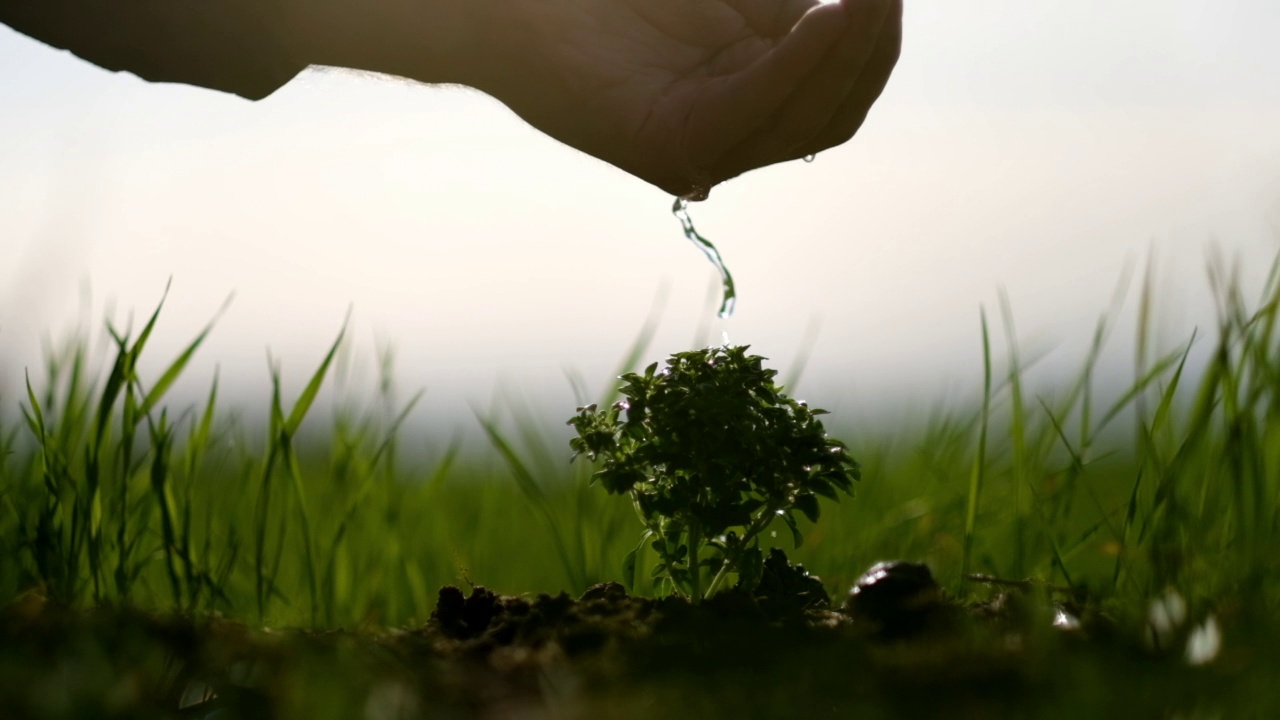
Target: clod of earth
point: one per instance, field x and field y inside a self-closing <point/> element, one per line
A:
<point x="897" y="599"/>
<point x="897" y="646"/>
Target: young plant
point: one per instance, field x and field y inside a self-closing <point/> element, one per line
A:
<point x="711" y="452"/>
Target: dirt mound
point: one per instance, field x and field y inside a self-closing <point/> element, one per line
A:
<point x="896" y="646"/>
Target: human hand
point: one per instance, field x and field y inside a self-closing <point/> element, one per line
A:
<point x="686" y="94"/>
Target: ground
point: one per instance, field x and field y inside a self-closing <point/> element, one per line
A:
<point x="910" y="652"/>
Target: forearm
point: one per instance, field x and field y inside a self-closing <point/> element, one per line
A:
<point x="252" y="47"/>
<point x="236" y="46"/>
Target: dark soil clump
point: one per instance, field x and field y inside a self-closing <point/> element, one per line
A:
<point x="609" y="654"/>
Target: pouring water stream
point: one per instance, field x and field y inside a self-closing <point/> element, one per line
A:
<point x="730" y="297"/>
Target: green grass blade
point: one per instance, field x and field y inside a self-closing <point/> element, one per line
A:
<point x="978" y="471"/>
<point x="394" y="429"/>
<point x="162" y="447"/>
<point x="136" y="351"/>
<point x="308" y="396"/>
<point x="1135" y="391"/>
<point x="534" y="493"/>
<point x="171" y="373"/>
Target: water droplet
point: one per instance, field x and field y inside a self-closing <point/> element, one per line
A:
<point x="1064" y="620"/>
<point x="811" y="158"/>
<point x="681" y="210"/>
<point x="1164" y="618"/>
<point x="1204" y="642"/>
<point x="697" y="194"/>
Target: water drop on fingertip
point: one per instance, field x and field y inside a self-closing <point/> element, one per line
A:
<point x="697" y="194"/>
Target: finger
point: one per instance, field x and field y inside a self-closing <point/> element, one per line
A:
<point x="736" y="105"/>
<point x="811" y="107"/>
<point x="771" y="18"/>
<point x="845" y="123"/>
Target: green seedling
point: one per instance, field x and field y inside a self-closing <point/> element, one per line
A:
<point x="712" y="452"/>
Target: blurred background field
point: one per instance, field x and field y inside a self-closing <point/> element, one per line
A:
<point x="295" y="512"/>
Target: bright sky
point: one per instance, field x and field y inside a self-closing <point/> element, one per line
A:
<point x="1030" y="146"/>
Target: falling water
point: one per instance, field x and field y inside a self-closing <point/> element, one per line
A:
<point x="681" y="210"/>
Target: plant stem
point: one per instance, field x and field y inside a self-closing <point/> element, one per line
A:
<point x="695" y="569"/>
<point x="731" y="557"/>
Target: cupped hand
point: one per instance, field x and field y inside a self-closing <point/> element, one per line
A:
<point x="686" y="94"/>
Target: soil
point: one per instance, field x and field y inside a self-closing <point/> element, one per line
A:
<point x="897" y="646"/>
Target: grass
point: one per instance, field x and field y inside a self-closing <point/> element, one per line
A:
<point x="109" y="495"/>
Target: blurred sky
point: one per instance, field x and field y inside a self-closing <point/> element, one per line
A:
<point x="1030" y="146"/>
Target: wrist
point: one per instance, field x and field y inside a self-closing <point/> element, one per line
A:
<point x="430" y="41"/>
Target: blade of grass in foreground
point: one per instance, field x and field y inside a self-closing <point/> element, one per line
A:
<point x="199" y="438"/>
<point x="534" y="493"/>
<point x="288" y="432"/>
<point x="162" y="451"/>
<point x="1018" y="429"/>
<point x="281" y="449"/>
<point x="125" y="373"/>
<point x="979" y="469"/>
<point x="171" y="373"/>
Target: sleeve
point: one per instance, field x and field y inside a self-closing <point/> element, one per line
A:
<point x="236" y="46"/>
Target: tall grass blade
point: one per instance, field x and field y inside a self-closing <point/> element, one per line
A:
<point x="162" y="447"/>
<point x="171" y="373"/>
<point x="978" y="471"/>
<point x="534" y="493"/>
<point x="308" y="396"/>
<point x="1018" y="432"/>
